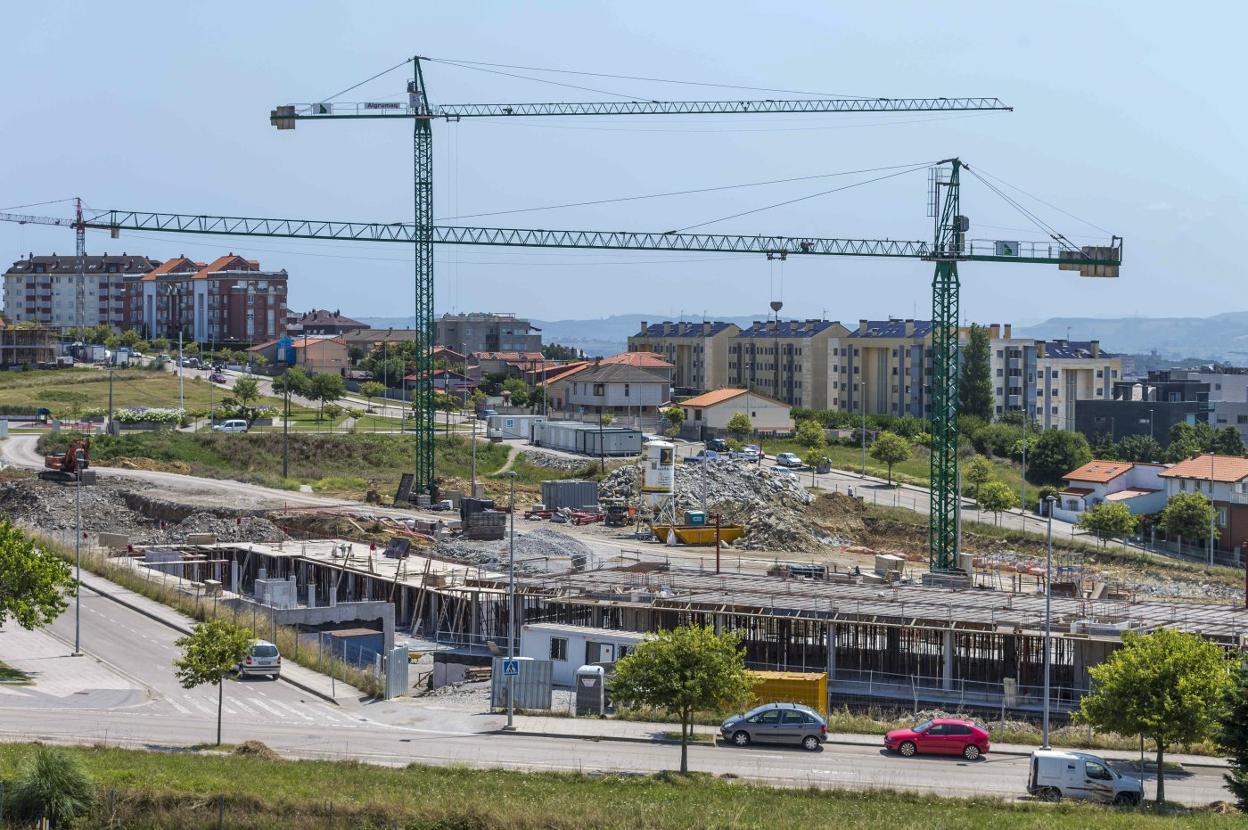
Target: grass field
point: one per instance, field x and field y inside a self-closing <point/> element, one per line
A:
<point x="915" y="470"/>
<point x="341" y="464"/>
<point x="182" y="789"/>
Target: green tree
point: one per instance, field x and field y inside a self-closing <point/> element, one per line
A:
<point x="890" y="448"/>
<point x="1228" y="441"/>
<point x="1184" y="443"/>
<point x="810" y="435"/>
<point x="1168" y="686"/>
<point x="995" y="496"/>
<point x="1108" y="520"/>
<point x="209" y="653"/>
<point x="682" y="671"/>
<point x="740" y="425"/>
<point x="978" y="473"/>
<point x="161" y="345"/>
<point x="675" y="417"/>
<point x="246" y="391"/>
<point x="324" y="388"/>
<point x="477" y="399"/>
<point x="518" y="391"/>
<point x="1187" y="514"/>
<point x="1139" y="448"/>
<point x="1233" y="736"/>
<point x="372" y="389"/>
<point x="294" y="380"/>
<point x="975" y="385"/>
<point x="51" y="786"/>
<point x="34" y="584"/>
<point x="1056" y="453"/>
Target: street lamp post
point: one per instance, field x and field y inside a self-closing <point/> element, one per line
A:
<point x="1213" y="511"/>
<point x="1048" y="620"/>
<point x="511" y="600"/>
<point x="79" y="459"/>
<point x="473" y="483"/>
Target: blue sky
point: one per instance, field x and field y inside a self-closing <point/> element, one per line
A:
<point x="1128" y="119"/>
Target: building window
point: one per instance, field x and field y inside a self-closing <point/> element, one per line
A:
<point x="559" y="648"/>
<point x="1221" y="517"/>
<point x="598" y="390"/>
<point x="626" y="390"/>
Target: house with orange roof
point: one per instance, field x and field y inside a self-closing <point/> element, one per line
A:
<point x="1222" y="479"/>
<point x="1135" y="485"/>
<point x="649" y="361"/>
<point x="227" y="301"/>
<point x="323" y="353"/>
<point x="707" y="415"/>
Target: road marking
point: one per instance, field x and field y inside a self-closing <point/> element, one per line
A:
<point x="178" y="706"/>
<point x="292" y="710"/>
<point x="198" y="704"/>
<point x="266" y="707"/>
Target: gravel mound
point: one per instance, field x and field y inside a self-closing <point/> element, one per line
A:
<point x="541" y="549"/>
<point x="770" y="505"/>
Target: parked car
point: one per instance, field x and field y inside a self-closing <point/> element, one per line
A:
<point x="232" y="425"/>
<point x="756" y="449"/>
<point x="942" y="736"/>
<point x="484" y="414"/>
<point x="703" y="455"/>
<point x="788" y="459"/>
<point x="1056" y="775"/>
<point x="217" y="377"/>
<point x="717" y="444"/>
<point x="777" y="723"/>
<point x="264" y="659"/>
<point x="747" y="454"/>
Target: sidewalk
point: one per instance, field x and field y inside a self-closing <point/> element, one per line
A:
<point x="636" y="731"/>
<point x="53" y="669"/>
<point x="307" y="680"/>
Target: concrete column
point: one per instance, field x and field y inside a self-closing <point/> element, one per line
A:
<point x="262" y="574"/>
<point x="333" y="595"/>
<point x="311" y="594"/>
<point x="946" y="667"/>
<point x="719" y="624"/>
<point x="831" y="643"/>
<point x="234" y="575"/>
<point x="433" y="613"/>
<point x="350" y="587"/>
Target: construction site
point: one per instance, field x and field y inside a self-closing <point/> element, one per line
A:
<point x="930" y="622"/>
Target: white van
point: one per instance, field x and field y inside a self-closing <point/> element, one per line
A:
<point x="232" y="425"/>
<point x="1055" y="775"/>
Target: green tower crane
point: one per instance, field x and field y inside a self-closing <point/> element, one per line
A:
<point x="418" y="108"/>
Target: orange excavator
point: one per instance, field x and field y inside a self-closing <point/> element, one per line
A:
<point x="65" y="467"/>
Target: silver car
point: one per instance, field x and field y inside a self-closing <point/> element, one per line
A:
<point x="264" y="659"/>
<point x="777" y="723"/>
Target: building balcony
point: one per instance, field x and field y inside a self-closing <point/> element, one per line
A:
<point x="1238" y="498"/>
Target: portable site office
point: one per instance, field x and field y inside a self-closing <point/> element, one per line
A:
<point x="568" y="647"/>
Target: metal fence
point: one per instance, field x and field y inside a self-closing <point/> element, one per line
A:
<point x="920" y="690"/>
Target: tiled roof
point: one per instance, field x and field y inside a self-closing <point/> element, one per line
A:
<point x="515" y="357"/>
<point x="229" y="262"/>
<point x="1099" y="471"/>
<point x="1076" y="491"/>
<point x="644" y="360"/>
<point x="320" y="317"/>
<point x="94" y="264"/>
<point x="177" y="265"/>
<point x="788" y="328"/>
<point x="713" y="397"/>
<point x="1219" y="467"/>
<point x="683" y="329"/>
<point x="568" y="372"/>
<point x="893" y="328"/>
<point x="1129" y="493"/>
<point x="618" y="373"/>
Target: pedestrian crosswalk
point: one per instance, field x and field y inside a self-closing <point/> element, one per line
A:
<point x="257" y="706"/>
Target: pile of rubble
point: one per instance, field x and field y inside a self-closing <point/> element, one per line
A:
<point x="109" y="506"/>
<point x="550" y="461"/>
<point x="540" y="550"/>
<point x="770" y="504"/>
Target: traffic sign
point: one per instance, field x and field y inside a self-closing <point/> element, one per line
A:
<point x="511" y="667"/>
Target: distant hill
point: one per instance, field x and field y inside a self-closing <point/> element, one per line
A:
<point x="1220" y="337"/>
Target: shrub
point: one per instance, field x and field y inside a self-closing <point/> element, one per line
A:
<point x="51" y="785"/>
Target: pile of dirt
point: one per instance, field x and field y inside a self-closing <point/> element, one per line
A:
<point x="539" y="550"/>
<point x="838" y="513"/>
<point x="125" y="462"/>
<point x="256" y="749"/>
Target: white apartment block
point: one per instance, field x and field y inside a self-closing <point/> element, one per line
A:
<point x="785" y="359"/>
<point x="43" y="289"/>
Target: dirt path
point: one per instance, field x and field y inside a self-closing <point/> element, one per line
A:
<point x="511" y="457"/>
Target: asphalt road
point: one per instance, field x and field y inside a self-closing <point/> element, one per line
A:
<point x="139" y="652"/>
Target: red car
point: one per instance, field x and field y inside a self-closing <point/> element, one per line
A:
<point x="942" y="736"/>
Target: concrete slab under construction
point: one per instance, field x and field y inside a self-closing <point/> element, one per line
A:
<point x="974" y="648"/>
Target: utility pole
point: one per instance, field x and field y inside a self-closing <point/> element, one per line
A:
<point x="1213" y="511"/>
<point x="473" y="483"/>
<point x="1022" y="483"/>
<point x="286" y="432"/>
<point x="511" y="600"/>
<point x="181" y="382"/>
<point x="110" y="398"/>
<point x="79" y="460"/>
<point x="1048" y="622"/>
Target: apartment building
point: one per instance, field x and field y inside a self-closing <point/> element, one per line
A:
<point x="786" y="359"/>
<point x="487" y="332"/>
<point x="230" y="300"/>
<point x="43" y="289"/>
<point x="882" y="367"/>
<point x="698" y="351"/>
<point x="322" y="321"/>
<point x="1068" y="371"/>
